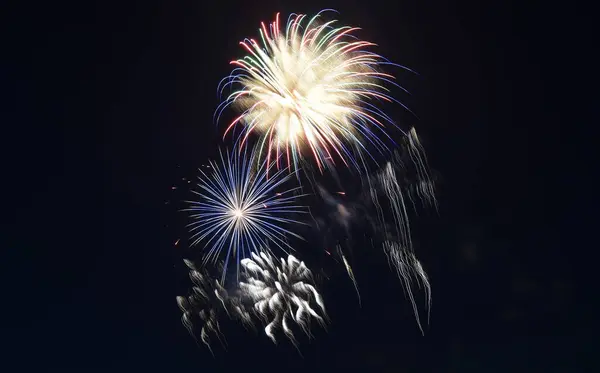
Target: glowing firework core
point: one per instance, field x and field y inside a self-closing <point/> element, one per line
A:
<point x="309" y="86"/>
<point x="238" y="213"/>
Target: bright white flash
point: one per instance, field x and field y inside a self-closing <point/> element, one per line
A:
<point x="282" y="292"/>
<point x="310" y="89"/>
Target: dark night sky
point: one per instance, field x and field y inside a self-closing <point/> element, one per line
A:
<point x="111" y="104"/>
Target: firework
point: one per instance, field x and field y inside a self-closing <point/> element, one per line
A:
<point x="208" y="300"/>
<point x="282" y="293"/>
<point x="422" y="186"/>
<point x="397" y="189"/>
<point x="407" y="267"/>
<point x="396" y="193"/>
<point x="349" y="271"/>
<point x="311" y="89"/>
<point x="240" y="209"/>
<point x="397" y="202"/>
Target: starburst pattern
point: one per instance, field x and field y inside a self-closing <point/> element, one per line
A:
<point x="240" y="209"/>
<point x="310" y="89"/>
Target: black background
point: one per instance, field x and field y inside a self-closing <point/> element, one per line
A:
<point x="110" y="104"/>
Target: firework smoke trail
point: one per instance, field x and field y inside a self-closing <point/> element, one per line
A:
<point x="311" y="88"/>
<point x="408" y="266"/>
<point x="240" y="209"/>
<point x="282" y="292"/>
<point x="206" y="302"/>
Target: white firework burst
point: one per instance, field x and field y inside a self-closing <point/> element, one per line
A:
<point x="282" y="292"/>
<point x="310" y="88"/>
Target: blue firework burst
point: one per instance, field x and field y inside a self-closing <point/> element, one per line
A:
<point x="243" y="205"/>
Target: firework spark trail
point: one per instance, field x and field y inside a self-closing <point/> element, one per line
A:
<point x="397" y="189"/>
<point x="205" y="302"/>
<point x="312" y="88"/>
<point x="240" y="209"/>
<point x="400" y="254"/>
<point x="408" y="266"/>
<point x="350" y="273"/>
<point x="424" y="187"/>
<point x="389" y="181"/>
<point x="282" y="292"/>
